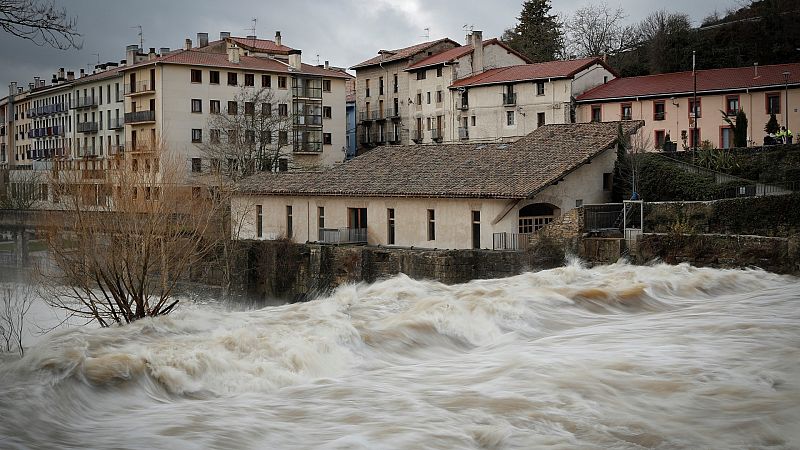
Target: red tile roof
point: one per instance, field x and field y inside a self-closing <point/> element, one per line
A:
<point x="400" y="54"/>
<point x="458" y="52"/>
<point x="108" y="73"/>
<point x="203" y="58"/>
<point x="681" y="83"/>
<point x="525" y="72"/>
<point x="262" y="45"/>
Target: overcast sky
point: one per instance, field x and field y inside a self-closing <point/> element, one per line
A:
<point x="344" y="32"/>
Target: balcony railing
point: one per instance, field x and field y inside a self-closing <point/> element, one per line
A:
<point x="140" y="116"/>
<point x="307" y="92"/>
<point x="463" y="133"/>
<point x="143" y="146"/>
<point x="308" y="119"/>
<point x="116" y="123"/>
<point x="45" y="152"/>
<point x="116" y="149"/>
<point x="47" y="110"/>
<point x="85" y="102"/>
<point x="509" y="99"/>
<point x="378" y="115"/>
<point x="87" y="127"/>
<point x="417" y="136"/>
<point x="511" y="241"/>
<point x="343" y="235"/>
<point x="307" y="147"/>
<point x="140" y="87"/>
<point x="365" y="116"/>
<point x="393" y="113"/>
<point x="436" y="134"/>
<point x="463" y="105"/>
<point x="46" y="132"/>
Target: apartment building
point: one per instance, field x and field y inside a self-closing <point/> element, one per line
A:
<point x="665" y="103"/>
<point x="507" y="103"/>
<point x="4" y="134"/>
<point x="169" y="99"/>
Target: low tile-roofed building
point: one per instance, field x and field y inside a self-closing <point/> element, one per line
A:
<point x="499" y="171"/>
<point x="453" y="54"/>
<point x="526" y="72"/>
<point x="385" y="56"/>
<point x="708" y="81"/>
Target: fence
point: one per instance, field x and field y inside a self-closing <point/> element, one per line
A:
<point x="343" y="235"/>
<point x="511" y="241"/>
<point x="607" y="216"/>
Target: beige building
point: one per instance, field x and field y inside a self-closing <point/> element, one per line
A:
<point x="402" y="95"/>
<point x="436" y="196"/>
<point x="664" y="103"/>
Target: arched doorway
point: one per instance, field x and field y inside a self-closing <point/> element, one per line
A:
<point x="536" y="215"/>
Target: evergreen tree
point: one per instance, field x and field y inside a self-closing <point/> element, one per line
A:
<point x="538" y="34"/>
<point x="772" y="125"/>
<point x="740" y="131"/>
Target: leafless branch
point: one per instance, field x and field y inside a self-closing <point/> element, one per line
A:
<point x="41" y="22"/>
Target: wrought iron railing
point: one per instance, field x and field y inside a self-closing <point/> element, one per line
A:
<point x="606" y="216"/>
<point x="140" y="116"/>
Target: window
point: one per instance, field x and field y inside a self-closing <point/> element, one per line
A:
<point x="431" y="225"/>
<point x="266" y="81"/>
<point x="357" y="218"/>
<point x="726" y="137"/>
<point x="249" y="108"/>
<point x="259" y="221"/>
<point x="213" y="77"/>
<point x="214" y="136"/>
<point x="509" y="118"/>
<point x="326" y="138"/>
<point x="249" y="136"/>
<point x="390" y="226"/>
<point x="197" y="135"/>
<point x="731" y="105"/>
<point x="439" y="96"/>
<point x="283" y="109"/>
<point x="283" y="137"/>
<point x="694" y="137"/>
<point x="281" y="82"/>
<point x="326" y="112"/>
<point x="233" y="78"/>
<point x="476" y="229"/>
<point x="659" y="138"/>
<point x="366" y="87"/>
<point x="233" y="108"/>
<point x="597" y="113"/>
<point x="266" y="137"/>
<point x="326" y="85"/>
<point x="773" y="100"/>
<point x="395" y="84"/>
<point x="540" y="88"/>
<point x="699" y="108"/>
<point x="429" y="97"/>
<point x="197" y="105"/>
<point x="197" y="76"/>
<point x="473" y="120"/>
<point x="659" y="110"/>
<point x="197" y="165"/>
<point x="421" y="74"/>
<point x="625" y="111"/>
<point x="419" y="98"/>
<point x="539" y="119"/>
<point x="289" y="228"/>
<point x="607" y="180"/>
<point x="283" y="165"/>
<point x="578" y="203"/>
<point x="249" y="79"/>
<point x="380" y="85"/>
<point x="213" y="106"/>
<point x="320" y="217"/>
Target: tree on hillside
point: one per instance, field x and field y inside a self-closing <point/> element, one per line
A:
<point x="40" y="22"/>
<point x="596" y="30"/>
<point x="538" y="34"/>
<point x="665" y="37"/>
<point x="119" y="249"/>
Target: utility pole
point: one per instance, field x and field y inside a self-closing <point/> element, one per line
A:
<point x="786" y="89"/>
<point x="693" y="129"/>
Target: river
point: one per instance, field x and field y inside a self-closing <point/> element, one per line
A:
<point x="618" y="356"/>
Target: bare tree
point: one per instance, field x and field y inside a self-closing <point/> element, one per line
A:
<point x="120" y="247"/>
<point x="15" y="302"/>
<point x="26" y="188"/>
<point x="41" y="22"/>
<point x="597" y="29"/>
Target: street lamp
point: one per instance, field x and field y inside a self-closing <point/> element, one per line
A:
<point x="786" y="89"/>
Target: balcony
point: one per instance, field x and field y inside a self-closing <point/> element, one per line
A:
<point x="308" y="119"/>
<point x="84" y="102"/>
<point x="511" y="241"/>
<point x="47" y="110"/>
<point x="463" y="133"/>
<point x="307" y="147"/>
<point x="140" y="88"/>
<point x="417" y="136"/>
<point x="140" y="117"/>
<point x="436" y="134"/>
<point x="343" y="235"/>
<point x="464" y="105"/>
<point x="87" y="127"/>
<point x="509" y="99"/>
<point x="116" y="123"/>
<point x="46" y="132"/>
<point x="307" y="92"/>
<point x="365" y="116"/>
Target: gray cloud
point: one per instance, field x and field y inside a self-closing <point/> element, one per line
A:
<point x="343" y="32"/>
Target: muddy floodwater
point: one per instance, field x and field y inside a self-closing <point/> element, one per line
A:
<point x="620" y="356"/>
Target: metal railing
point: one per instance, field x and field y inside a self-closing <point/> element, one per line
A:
<point x="365" y="116"/>
<point x="46" y="132"/>
<point x="140" y="116"/>
<point x="85" y="102"/>
<point x="463" y="105"/>
<point x="307" y="147"/>
<point x="436" y="134"/>
<point x="463" y="133"/>
<point x="393" y="112"/>
<point x="511" y="241"/>
<point x="509" y="98"/>
<point x="343" y="235"/>
<point x="116" y="123"/>
<point x="606" y="216"/>
<point x="87" y="127"/>
<point x="417" y="136"/>
<point x="47" y="110"/>
<point x="116" y="149"/>
<point x="307" y="92"/>
<point x="308" y="119"/>
<point x="140" y="87"/>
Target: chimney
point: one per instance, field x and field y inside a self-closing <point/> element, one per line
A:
<point x="468" y="39"/>
<point x="152" y="54"/>
<point x="295" y="62"/>
<point x="755" y="70"/>
<point x="130" y="53"/>
<point x="12" y="88"/>
<point x="112" y="64"/>
<point x="278" y="38"/>
<point x="187" y="45"/>
<point x="233" y="53"/>
<point x="477" y="51"/>
<point x="251" y="37"/>
<point x="54" y="80"/>
<point x="30" y="87"/>
<point x="70" y="75"/>
<point x="61" y="73"/>
<point x="83" y="73"/>
<point x="327" y="65"/>
<point x="202" y="39"/>
<point x="224" y="35"/>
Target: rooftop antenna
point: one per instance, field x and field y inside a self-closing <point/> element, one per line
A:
<point x="317" y="59"/>
<point x="427" y="34"/>
<point x="468" y="27"/>
<point x="141" y="35"/>
<point x="253" y="28"/>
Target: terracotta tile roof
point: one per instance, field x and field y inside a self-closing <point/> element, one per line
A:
<point x="512" y="171"/>
<point x="681" y="83"/>
<point x="262" y="45"/>
<point x="400" y="54"/>
<point x="109" y="73"/>
<point x="209" y="59"/>
<point x="457" y="52"/>
<point x="525" y="72"/>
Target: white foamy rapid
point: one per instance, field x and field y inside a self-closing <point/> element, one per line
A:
<point x="611" y="357"/>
